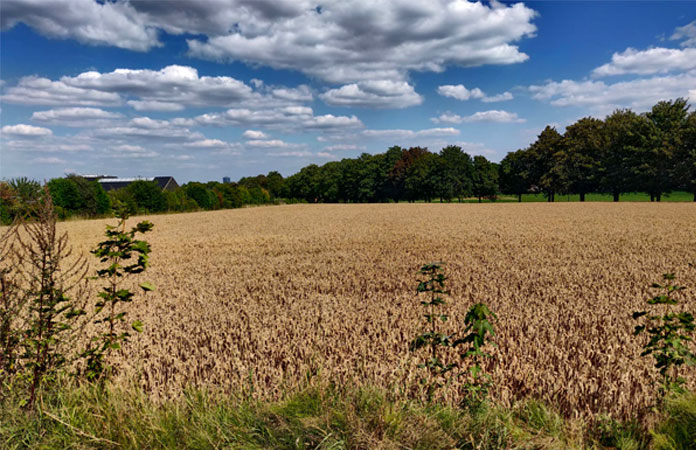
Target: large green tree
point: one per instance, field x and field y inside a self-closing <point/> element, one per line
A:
<point x="514" y="173"/>
<point x="401" y="168"/>
<point x="663" y="141"/>
<point x="582" y="144"/>
<point x="484" y="178"/>
<point x="148" y="195"/>
<point x="685" y="157"/>
<point x="625" y="132"/>
<point x="545" y="169"/>
<point x="76" y="195"/>
<point x="456" y="172"/>
<point x="421" y="178"/>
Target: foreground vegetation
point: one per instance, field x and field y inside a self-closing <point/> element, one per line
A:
<point x="317" y="417"/>
<point x="257" y="300"/>
<point x="300" y="329"/>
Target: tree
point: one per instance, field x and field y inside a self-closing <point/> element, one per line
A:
<point x="177" y="200"/>
<point x="27" y="193"/>
<point x="514" y="170"/>
<point x="275" y="184"/>
<point x="625" y="140"/>
<point x="545" y="154"/>
<point x="457" y="168"/>
<point x="664" y="139"/>
<point x="199" y="194"/>
<point x="421" y="178"/>
<point x="328" y="179"/>
<point x="401" y="167"/>
<point x="65" y="195"/>
<point x="485" y="178"/>
<point x="387" y="189"/>
<point x="303" y="185"/>
<point x="148" y="195"/>
<point x="583" y="143"/>
<point x="685" y="157"/>
<point x="8" y="203"/>
<point x="76" y="195"/>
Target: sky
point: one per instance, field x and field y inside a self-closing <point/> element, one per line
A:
<point x="205" y="89"/>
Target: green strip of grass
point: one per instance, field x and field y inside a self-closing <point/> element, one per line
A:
<point x="87" y="416"/>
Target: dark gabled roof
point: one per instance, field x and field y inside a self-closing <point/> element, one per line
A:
<point x="164" y="183"/>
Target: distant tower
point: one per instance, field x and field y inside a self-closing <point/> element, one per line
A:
<point x="226" y="180"/>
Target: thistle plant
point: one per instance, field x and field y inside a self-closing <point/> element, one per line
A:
<point x="670" y="334"/>
<point x="434" y="287"/>
<point x="12" y="300"/>
<point x="123" y="255"/>
<point x="51" y="288"/>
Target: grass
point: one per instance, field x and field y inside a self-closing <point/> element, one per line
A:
<point x="677" y="196"/>
<point x="318" y="417"/>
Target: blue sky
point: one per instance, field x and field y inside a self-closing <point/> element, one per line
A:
<point x="205" y="89"/>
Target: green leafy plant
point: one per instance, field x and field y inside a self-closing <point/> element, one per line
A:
<point x="480" y="330"/>
<point x="670" y="334"/>
<point x="123" y="255"/>
<point x="434" y="287"/>
<point x="478" y="327"/>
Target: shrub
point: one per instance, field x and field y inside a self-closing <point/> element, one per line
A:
<point x="670" y="334"/>
<point x="123" y="255"/>
<point x="147" y="195"/>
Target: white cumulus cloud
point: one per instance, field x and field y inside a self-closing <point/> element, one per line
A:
<point x="76" y="116"/>
<point x="254" y="134"/>
<point x="639" y="94"/>
<point x="110" y="23"/>
<point x="374" y="94"/>
<point x="460" y="92"/>
<point x="23" y="130"/>
<point x="647" y="62"/>
<point x="496" y="116"/>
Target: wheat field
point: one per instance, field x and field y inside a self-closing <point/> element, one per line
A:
<point x="262" y="300"/>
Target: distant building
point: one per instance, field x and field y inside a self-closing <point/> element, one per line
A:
<point x="226" y="180"/>
<point x="97" y="177"/>
<point x="111" y="183"/>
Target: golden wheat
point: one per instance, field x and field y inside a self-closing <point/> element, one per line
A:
<point x="258" y="300"/>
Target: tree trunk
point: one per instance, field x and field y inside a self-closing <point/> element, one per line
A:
<point x="519" y="198"/>
<point x="479" y="199"/>
<point x="582" y="196"/>
<point x="695" y="196"/>
<point x="652" y="197"/>
<point x="616" y="196"/>
<point x="658" y="196"/>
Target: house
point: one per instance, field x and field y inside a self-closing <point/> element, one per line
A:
<point x="110" y="183"/>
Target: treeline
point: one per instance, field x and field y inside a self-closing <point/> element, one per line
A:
<point x="654" y="152"/>
<point x="626" y="152"/>
<point x="73" y="195"/>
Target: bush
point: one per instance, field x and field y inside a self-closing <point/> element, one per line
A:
<point x="200" y="194"/>
<point x="177" y="200"/>
<point x="76" y="195"/>
<point x="147" y="196"/>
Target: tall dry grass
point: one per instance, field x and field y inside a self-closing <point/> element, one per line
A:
<point x="258" y="300"/>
